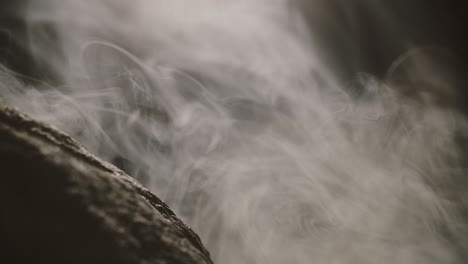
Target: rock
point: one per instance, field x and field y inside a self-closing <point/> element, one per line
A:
<point x="60" y="204"/>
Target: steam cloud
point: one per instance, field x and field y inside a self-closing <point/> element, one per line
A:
<point x="229" y="112"/>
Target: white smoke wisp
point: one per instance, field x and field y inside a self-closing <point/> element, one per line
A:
<point x="226" y="110"/>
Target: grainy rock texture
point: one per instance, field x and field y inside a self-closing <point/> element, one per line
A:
<point x="60" y="204"/>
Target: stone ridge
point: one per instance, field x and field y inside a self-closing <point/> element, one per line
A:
<point x="97" y="188"/>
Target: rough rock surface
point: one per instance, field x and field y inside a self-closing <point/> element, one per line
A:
<point x="60" y="204"/>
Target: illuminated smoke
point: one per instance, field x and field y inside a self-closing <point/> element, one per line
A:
<point x="229" y="112"/>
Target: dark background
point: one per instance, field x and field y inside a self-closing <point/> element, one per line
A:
<point x="357" y="36"/>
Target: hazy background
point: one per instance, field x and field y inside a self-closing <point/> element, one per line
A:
<point x="281" y="131"/>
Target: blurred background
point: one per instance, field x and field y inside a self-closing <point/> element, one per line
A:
<point x="226" y="110"/>
<point x="358" y="36"/>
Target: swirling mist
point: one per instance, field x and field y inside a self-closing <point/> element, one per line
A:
<point x="232" y="113"/>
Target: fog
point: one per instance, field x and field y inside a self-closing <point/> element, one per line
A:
<point x="239" y="116"/>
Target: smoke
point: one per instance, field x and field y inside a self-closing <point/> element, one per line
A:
<point x="230" y="112"/>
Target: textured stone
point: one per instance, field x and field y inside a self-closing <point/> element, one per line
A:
<point x="60" y="204"/>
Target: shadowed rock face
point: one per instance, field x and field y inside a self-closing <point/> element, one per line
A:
<point x="60" y="204"/>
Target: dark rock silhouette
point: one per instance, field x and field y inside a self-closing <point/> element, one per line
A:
<point x="60" y="204"/>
